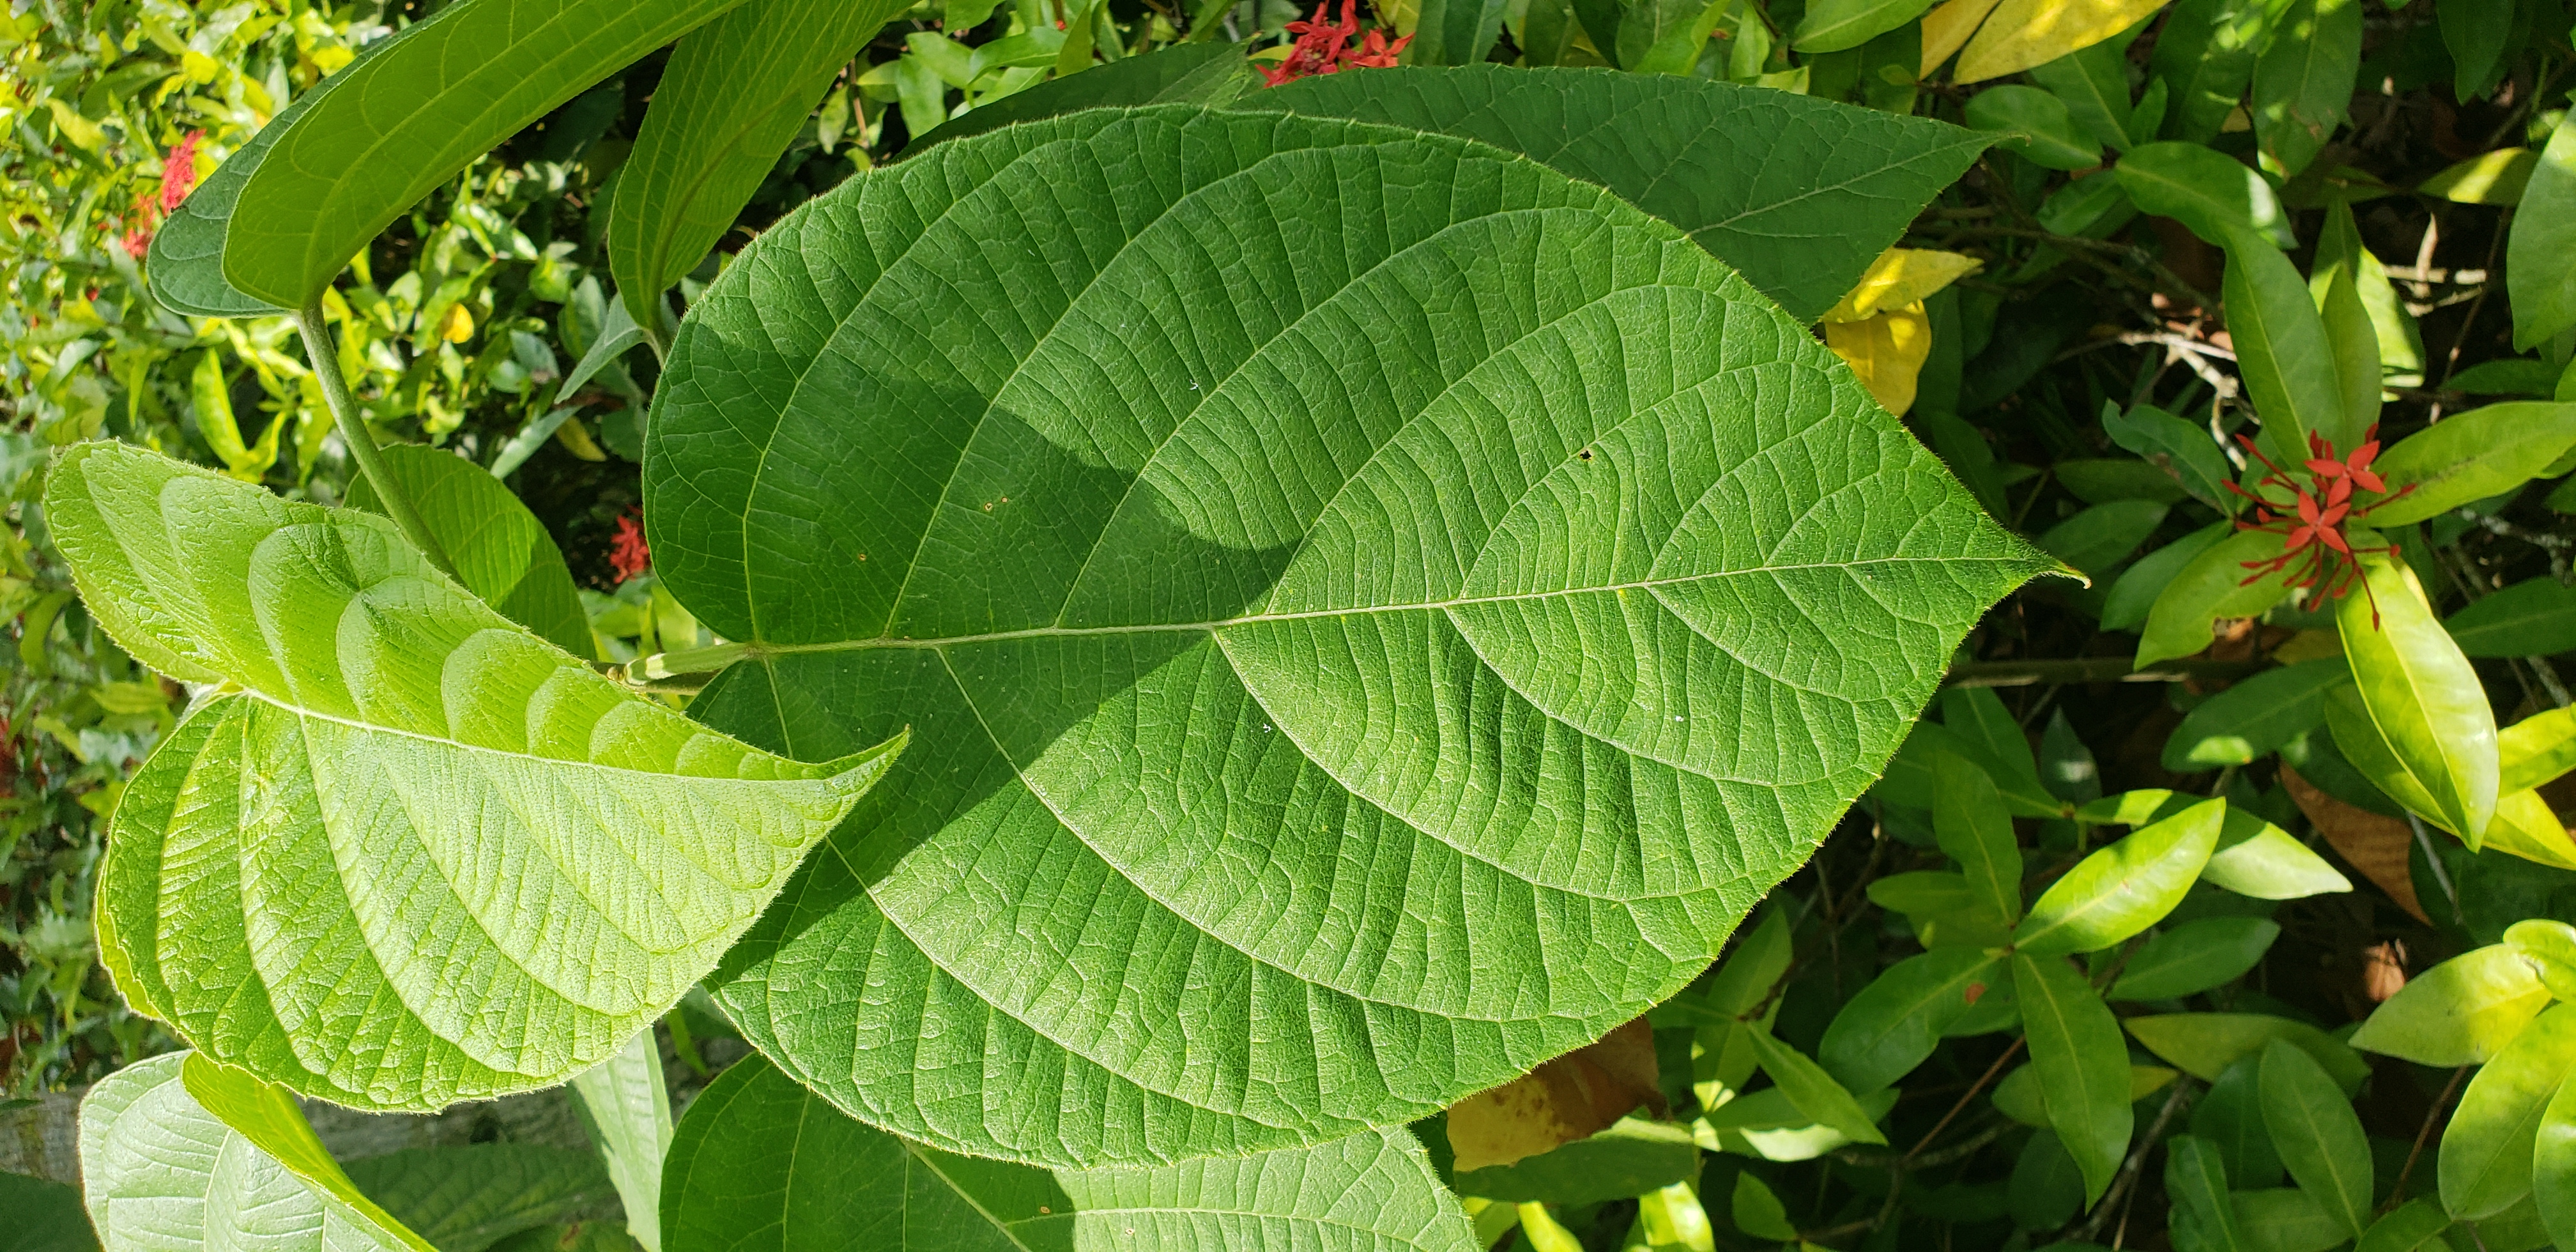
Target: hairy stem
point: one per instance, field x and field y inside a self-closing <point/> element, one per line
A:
<point x="362" y="442"/>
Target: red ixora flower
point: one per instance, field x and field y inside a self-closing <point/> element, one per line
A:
<point x="2316" y="548"/>
<point x="1322" y="47"/>
<point x="628" y="554"/>
<point x="179" y="171"/>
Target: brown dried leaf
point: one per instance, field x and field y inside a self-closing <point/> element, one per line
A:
<point x="1572" y="1097"/>
<point x="2375" y="845"/>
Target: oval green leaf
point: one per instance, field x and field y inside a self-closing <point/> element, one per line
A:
<point x="2460" y="1012"/>
<point x="2254" y="717"/>
<point x="502" y="553"/>
<point x="2488" y="1150"/>
<point x="1896" y="1022"/>
<point x="2077" y="1051"/>
<point x="2123" y="888"/>
<point x="2282" y="351"/>
<point x="2553" y="1166"/>
<point x="2422" y="695"/>
<point x="513" y="862"/>
<point x="2203" y="1045"/>
<point x="1157" y="680"/>
<point x="761" y="1164"/>
<point x="2317" y="1133"/>
<point x="2534" y="617"/>
<point x="2194" y="957"/>
<point x="2203" y="189"/>
<point x="2540" y="255"/>
<point x="2471" y="456"/>
<point x="1813" y="1090"/>
<point x="1969" y="821"/>
<point x="2550" y="947"/>
<point x="2212" y="586"/>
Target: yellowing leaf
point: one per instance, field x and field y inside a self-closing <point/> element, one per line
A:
<point x="2488" y="178"/>
<point x="1946" y="30"/>
<point x="1886" y="351"/>
<point x="2525" y="826"/>
<point x="2025" y="33"/>
<point x="1572" y="1097"/>
<point x="457" y="325"/>
<point x="577" y="440"/>
<point x="1899" y="277"/>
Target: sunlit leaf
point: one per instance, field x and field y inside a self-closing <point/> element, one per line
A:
<point x="2487" y="1151"/>
<point x="2460" y="1012"/>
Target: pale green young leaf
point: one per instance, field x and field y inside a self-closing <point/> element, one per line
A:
<point x="2367" y="751"/>
<point x="2488" y="1149"/>
<point x="2540" y="253"/>
<point x="761" y="1164"/>
<point x="2422" y="695"/>
<point x="2212" y="586"/>
<point x="2253" y="858"/>
<point x="2460" y="1012"/>
<point x="2123" y="888"/>
<point x="2550" y="947"/>
<point x="2282" y="351"/>
<point x="1969" y="820"/>
<point x="2077" y="1051"/>
<point x="2304" y="79"/>
<point x="391" y="127"/>
<point x="2553" y="1166"/>
<point x="1798" y="194"/>
<point x="2339" y="248"/>
<point x="2194" y="957"/>
<point x="2317" y="1133"/>
<point x="2255" y="717"/>
<point x="2471" y="456"/>
<point x="1194" y="669"/>
<point x="732" y="95"/>
<point x="2204" y="190"/>
<point x="2196" y="1181"/>
<point x="517" y="862"/>
<point x="163" y="1173"/>
<point x="1896" y="1022"/>
<point x="502" y="553"/>
<point x="1813" y="1090"/>
<point x="2203" y="1045"/>
<point x="466" y="1197"/>
<point x="2356" y="349"/>
<point x="627" y="1110"/>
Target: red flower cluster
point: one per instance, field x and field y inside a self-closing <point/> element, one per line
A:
<point x="628" y="554"/>
<point x="2315" y="518"/>
<point x="178" y="178"/>
<point x="1323" y="47"/>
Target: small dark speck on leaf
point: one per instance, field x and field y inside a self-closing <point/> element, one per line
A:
<point x="1584" y="455"/>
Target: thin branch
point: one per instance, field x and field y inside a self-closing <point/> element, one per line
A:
<point x="2094" y="669"/>
<point x="2397" y="1194"/>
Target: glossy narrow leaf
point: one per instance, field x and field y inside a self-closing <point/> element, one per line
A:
<point x="2134" y="595"/>
<point x="2553" y="1165"/>
<point x="1946" y="29"/>
<point x="2473" y="455"/>
<point x="2045" y="1191"/>
<point x="2460" y="1012"/>
<point x="1189" y="73"/>
<point x="1800" y="195"/>
<point x="2203" y="1045"/>
<point x="2179" y="448"/>
<point x="1813" y="1090"/>
<point x="2206" y="51"/>
<point x="627" y="1110"/>
<point x="1968" y="818"/>
<point x="164" y="1174"/>
<point x="396" y="125"/>
<point x="1459" y="32"/>
<point x="467" y="1197"/>
<point x="2317" y="1133"/>
<point x="2100" y="539"/>
<point x="2253" y="858"/>
<point x="2534" y="617"/>
<point x="2254" y="717"/>
<point x="514" y="874"/>
<point x="761" y="1164"/>
<point x="2197" y="1184"/>
<point x="2076" y="1048"/>
<point x="1743" y="981"/>
<point x="2356" y="348"/>
<point x="2304" y="81"/>
<point x="732" y="95"/>
<point x="2422" y="695"/>
<point x="2026" y="33"/>
<point x="1893" y="1024"/>
<point x="2488" y="1149"/>
<point x="2194" y="957"/>
<point x="2204" y="190"/>
<point x="1159" y="682"/>
<point x="2212" y="586"/>
<point x="2124" y="888"/>
<point x="501" y="551"/>
<point x="2282" y="351"/>
<point x="2540" y="254"/>
<point x="1758" y="1212"/>
<point x="1834" y="25"/>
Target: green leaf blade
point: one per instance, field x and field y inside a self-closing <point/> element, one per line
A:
<point x="1969" y="820"/>
<point x="501" y="551"/>
<point x="2082" y="1061"/>
<point x="2463" y="1011"/>
<point x="2124" y="888"/>
<point x="2491" y="1145"/>
<point x="1158" y="666"/>
<point x="2422" y="696"/>
<point x="431" y="778"/>
<point x="2317" y="1133"/>
<point x="1894" y="1024"/>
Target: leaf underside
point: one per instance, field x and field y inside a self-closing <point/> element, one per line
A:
<point x="1375" y="613"/>
<point x="408" y="853"/>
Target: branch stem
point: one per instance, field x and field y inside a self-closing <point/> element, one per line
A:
<point x="362" y="442"/>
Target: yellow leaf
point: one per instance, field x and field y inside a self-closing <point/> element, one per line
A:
<point x="78" y="129"/>
<point x="1899" y="277"/>
<point x="457" y="325"/>
<point x="331" y="60"/>
<point x="2525" y="826"/>
<point x="2489" y="178"/>
<point x="1887" y="351"/>
<point x="1572" y="1097"/>
<point x="1946" y="30"/>
<point x="578" y="441"/>
<point x="2027" y="33"/>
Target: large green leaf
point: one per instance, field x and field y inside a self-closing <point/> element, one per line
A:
<point x="2082" y="1063"/>
<point x="388" y="128"/>
<point x="1436" y="638"/>
<point x="2318" y="1134"/>
<point x="763" y="1165"/>
<point x="1798" y="194"/>
<point x="502" y="553"/>
<point x="414" y="854"/>
<point x="733" y="94"/>
<point x="467" y="1197"/>
<point x="162" y="1173"/>
<point x="2488" y="1149"/>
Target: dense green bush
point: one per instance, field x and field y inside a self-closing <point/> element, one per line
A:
<point x="1369" y="660"/>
